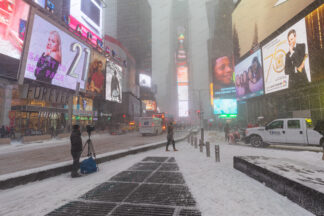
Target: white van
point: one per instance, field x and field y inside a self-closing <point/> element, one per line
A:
<point x="149" y="125"/>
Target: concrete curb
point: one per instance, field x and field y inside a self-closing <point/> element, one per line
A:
<point x="23" y="177"/>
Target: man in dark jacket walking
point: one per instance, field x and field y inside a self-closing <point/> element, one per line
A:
<point x="170" y="137"/>
<point x="76" y="150"/>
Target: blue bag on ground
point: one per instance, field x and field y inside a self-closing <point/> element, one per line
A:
<point x="88" y="166"/>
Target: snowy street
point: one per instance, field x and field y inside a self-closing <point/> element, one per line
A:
<point x="218" y="188"/>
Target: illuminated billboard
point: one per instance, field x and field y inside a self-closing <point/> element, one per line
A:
<point x="40" y="2"/>
<point x="97" y="72"/>
<point x="55" y="57"/>
<point x="249" y="77"/>
<point x="182" y="74"/>
<point x="150" y="105"/>
<point x="225" y="106"/>
<point x="183" y="93"/>
<point x="87" y="14"/>
<point x="285" y="59"/>
<point x="223" y="76"/>
<point x="13" y="24"/>
<point x="113" y="82"/>
<point x="145" y="80"/>
<point x="183" y="108"/>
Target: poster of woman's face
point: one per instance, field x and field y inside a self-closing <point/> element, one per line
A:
<point x="55" y="57"/>
<point x="97" y="72"/>
<point x="249" y="77"/>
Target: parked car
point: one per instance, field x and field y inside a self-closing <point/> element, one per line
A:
<point x="285" y="131"/>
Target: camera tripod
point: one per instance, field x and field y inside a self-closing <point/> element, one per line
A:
<point x="91" y="151"/>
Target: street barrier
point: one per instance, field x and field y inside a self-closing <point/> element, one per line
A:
<point x="207" y="149"/>
<point x="201" y="145"/>
<point x="217" y="157"/>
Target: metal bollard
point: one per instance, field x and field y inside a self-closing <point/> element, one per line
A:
<point x="207" y="149"/>
<point x="217" y="157"/>
<point x="196" y="140"/>
<point x="191" y="140"/>
<point x="201" y="146"/>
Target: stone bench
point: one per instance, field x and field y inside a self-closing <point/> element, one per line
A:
<point x="5" y="141"/>
<point x="31" y="139"/>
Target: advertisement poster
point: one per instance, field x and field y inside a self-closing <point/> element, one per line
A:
<point x="113" y="82"/>
<point x="87" y="14"/>
<point x="13" y="21"/>
<point x="145" y="80"/>
<point x="225" y="106"/>
<point x="286" y="60"/>
<point x="96" y="75"/>
<point x="315" y="37"/>
<point x="82" y="106"/>
<point x="55" y="57"/>
<point x="223" y="76"/>
<point x="150" y="105"/>
<point x="249" y="77"/>
<point x="40" y="3"/>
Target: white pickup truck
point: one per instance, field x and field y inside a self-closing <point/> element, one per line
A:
<point x="289" y="131"/>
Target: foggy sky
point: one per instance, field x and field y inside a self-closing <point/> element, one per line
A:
<point x="198" y="35"/>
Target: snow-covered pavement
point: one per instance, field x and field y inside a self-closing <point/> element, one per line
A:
<point x="218" y="188"/>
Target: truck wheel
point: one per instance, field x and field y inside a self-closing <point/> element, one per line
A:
<point x="256" y="141"/>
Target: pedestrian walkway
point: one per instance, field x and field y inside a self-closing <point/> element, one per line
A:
<point x="154" y="186"/>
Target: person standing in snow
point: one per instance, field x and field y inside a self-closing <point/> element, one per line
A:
<point x="170" y="137"/>
<point x="226" y="130"/>
<point x="76" y="150"/>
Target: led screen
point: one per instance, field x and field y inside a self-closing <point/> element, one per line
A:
<point x="182" y="74"/>
<point x="225" y="106"/>
<point x="183" y="108"/>
<point x="249" y="77"/>
<point x="145" y="80"/>
<point x="183" y="93"/>
<point x="97" y="72"/>
<point x="55" y="57"/>
<point x="113" y="82"/>
<point x="223" y="76"/>
<point x="13" y="23"/>
<point x="286" y="60"/>
<point x="88" y="13"/>
<point x="150" y="105"/>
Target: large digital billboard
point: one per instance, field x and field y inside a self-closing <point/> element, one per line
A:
<point x="55" y="57"/>
<point x="150" y="105"/>
<point x="88" y="15"/>
<point x="145" y="80"/>
<point x="183" y="108"/>
<point x="249" y="77"/>
<point x="182" y="74"/>
<point x="286" y="59"/>
<point x="13" y="24"/>
<point x="113" y="82"/>
<point x="223" y="76"/>
<point x="225" y="106"/>
<point x="97" y="72"/>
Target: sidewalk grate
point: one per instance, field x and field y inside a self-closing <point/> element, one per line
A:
<point x="132" y="210"/>
<point x="166" y="177"/>
<point x="131" y="176"/>
<point x="169" y="167"/>
<point x="189" y="212"/>
<point x="77" y="208"/>
<point x="155" y="159"/>
<point x="176" y="195"/>
<point x="145" y="166"/>
<point x="171" y="160"/>
<point x="110" y="191"/>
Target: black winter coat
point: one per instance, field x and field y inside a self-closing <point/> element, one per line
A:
<point x="76" y="141"/>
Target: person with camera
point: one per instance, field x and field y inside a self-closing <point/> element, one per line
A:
<point x="76" y="150"/>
